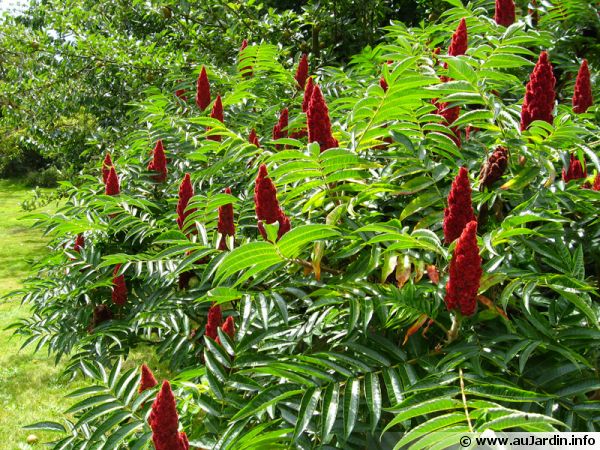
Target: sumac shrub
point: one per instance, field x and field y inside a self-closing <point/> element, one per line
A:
<point x="348" y="319"/>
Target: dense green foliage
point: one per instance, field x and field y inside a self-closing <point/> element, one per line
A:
<point x="341" y="341"/>
<point x="70" y="69"/>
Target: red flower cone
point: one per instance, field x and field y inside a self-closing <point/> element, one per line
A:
<point x="267" y="206"/>
<point x="539" y="95"/>
<point x="147" y="381"/>
<point x="213" y="322"/>
<point x="79" y="243"/>
<point x="202" y="90"/>
<point x="575" y="171"/>
<point x="308" y="88"/>
<point x="119" y="292"/>
<point x="317" y="118"/>
<point x="383" y="84"/>
<point x="112" y="182"/>
<point x="505" y="12"/>
<point x="494" y="167"/>
<point x="460" y="210"/>
<point x="302" y="72"/>
<point x="596" y="185"/>
<point x="186" y="192"/>
<point x="582" y="95"/>
<point x="164" y="422"/>
<point x="217" y="113"/>
<point x="253" y="138"/>
<point x="158" y="163"/>
<point x="458" y="45"/>
<point x="228" y="328"/>
<point x="106" y="165"/>
<point x="465" y="273"/>
<point x="280" y="128"/>
<point x="225" y="225"/>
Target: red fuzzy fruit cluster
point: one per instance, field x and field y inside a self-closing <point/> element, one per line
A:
<point x="215" y="320"/>
<point x="582" y="95"/>
<point x="280" y="128"/>
<point x="106" y="165"/>
<point x="186" y="192"/>
<point x="267" y="206"/>
<point x="465" y="273"/>
<point x="202" y="90"/>
<point x="119" y="291"/>
<point x="575" y="171"/>
<point x="225" y="225"/>
<point x="308" y="88"/>
<point x="112" y="182"/>
<point x="460" y="210"/>
<point x="596" y="185"/>
<point x="217" y="113"/>
<point x="494" y="167"/>
<point x="539" y="94"/>
<point x="164" y="422"/>
<point x="302" y="72"/>
<point x="253" y="138"/>
<point x="458" y="45"/>
<point x="147" y="381"/>
<point x="79" y="243"/>
<point x="317" y="118"/>
<point x="505" y="12"/>
<point x="158" y="163"/>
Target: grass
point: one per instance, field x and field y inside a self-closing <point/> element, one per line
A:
<point x="31" y="389"/>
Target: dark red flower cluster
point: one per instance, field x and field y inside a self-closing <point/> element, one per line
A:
<point x="158" y="163"/>
<point x="575" y="171"/>
<point x="228" y="328"/>
<point x="147" y="381"/>
<point x="505" y="12"/>
<point x="164" y="422"/>
<point x="458" y="45"/>
<point x="308" y="88"/>
<point x="280" y="128"/>
<point x="383" y="84"/>
<point x="494" y="167"/>
<point x="79" y="243"/>
<point x="225" y="225"/>
<point x="106" y="165"/>
<point x="465" y="273"/>
<point x="247" y="70"/>
<point x="253" y="138"/>
<point x="460" y="210"/>
<point x="217" y="113"/>
<point x="596" y="185"/>
<point x="302" y="72"/>
<point x="119" y="290"/>
<point x="317" y="118"/>
<point x="112" y="182"/>
<point x="539" y="94"/>
<point x="186" y="192"/>
<point x="582" y="95"/>
<point x="213" y="321"/>
<point x="202" y="90"/>
<point x="267" y="206"/>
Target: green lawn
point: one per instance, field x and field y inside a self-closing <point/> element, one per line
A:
<point x="30" y="387"/>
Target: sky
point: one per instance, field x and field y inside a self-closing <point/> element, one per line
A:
<point x="10" y="5"/>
